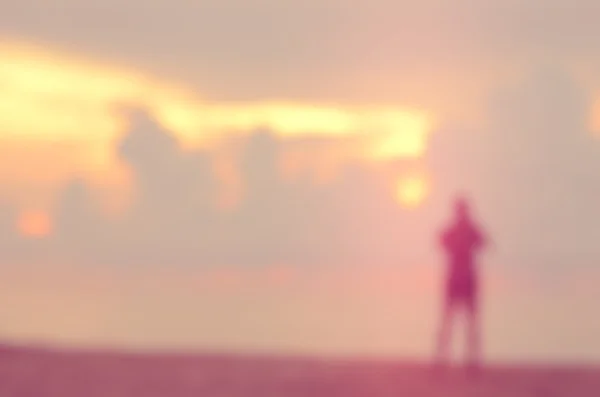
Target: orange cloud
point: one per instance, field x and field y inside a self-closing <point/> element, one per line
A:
<point x="51" y="95"/>
<point x="72" y="97"/>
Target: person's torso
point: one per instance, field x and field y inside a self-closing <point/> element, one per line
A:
<point x="462" y="241"/>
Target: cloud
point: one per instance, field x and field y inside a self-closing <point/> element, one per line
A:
<point x="532" y="171"/>
<point x="174" y="217"/>
<point x="373" y="52"/>
<point x="533" y="139"/>
<point x="70" y="93"/>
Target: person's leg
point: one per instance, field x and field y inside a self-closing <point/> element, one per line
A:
<point x="445" y="329"/>
<point x="473" y="330"/>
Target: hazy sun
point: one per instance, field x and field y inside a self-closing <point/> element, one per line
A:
<point x="34" y="224"/>
<point x="411" y="191"/>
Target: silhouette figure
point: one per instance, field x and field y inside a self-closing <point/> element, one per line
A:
<point x="461" y="240"/>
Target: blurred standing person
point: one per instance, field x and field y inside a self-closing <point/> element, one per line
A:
<point x="461" y="241"/>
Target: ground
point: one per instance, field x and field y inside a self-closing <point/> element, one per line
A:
<point x="40" y="373"/>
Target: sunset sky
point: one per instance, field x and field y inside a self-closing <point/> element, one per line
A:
<point x="284" y="141"/>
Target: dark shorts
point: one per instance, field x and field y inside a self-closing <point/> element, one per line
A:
<point x="462" y="291"/>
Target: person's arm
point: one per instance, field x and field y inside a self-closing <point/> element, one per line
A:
<point x="481" y="239"/>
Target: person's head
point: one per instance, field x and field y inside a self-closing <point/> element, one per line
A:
<point x="461" y="208"/>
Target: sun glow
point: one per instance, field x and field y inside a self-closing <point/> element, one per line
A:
<point x="412" y="191"/>
<point x="34" y="224"/>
